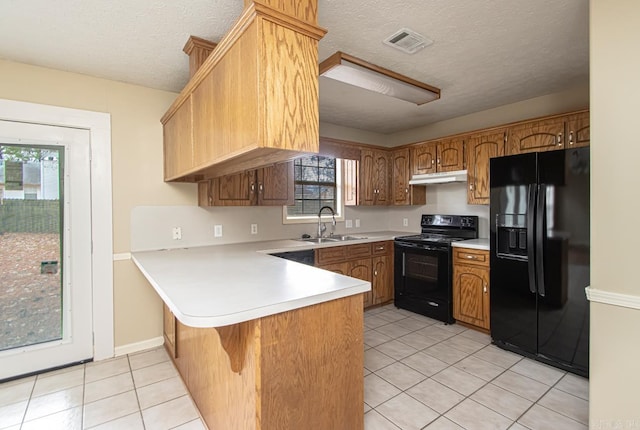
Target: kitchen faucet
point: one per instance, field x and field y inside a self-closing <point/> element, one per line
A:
<point x="321" y="226"/>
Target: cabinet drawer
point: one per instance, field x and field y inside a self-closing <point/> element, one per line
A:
<point x="381" y="248"/>
<point x="360" y="250"/>
<point x="476" y="257"/>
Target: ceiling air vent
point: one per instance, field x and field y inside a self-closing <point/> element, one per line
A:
<point x="407" y="41"/>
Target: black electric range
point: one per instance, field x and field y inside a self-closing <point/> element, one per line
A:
<point x="423" y="265"/>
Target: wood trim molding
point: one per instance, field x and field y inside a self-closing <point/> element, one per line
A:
<point x="248" y="17"/>
<point x="611" y="298"/>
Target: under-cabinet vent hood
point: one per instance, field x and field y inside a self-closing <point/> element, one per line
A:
<point x="439" y="178"/>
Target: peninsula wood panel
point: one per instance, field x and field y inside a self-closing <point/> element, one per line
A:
<point x="169" y="331"/>
<point x="289" y="364"/>
<point x="311" y="367"/>
<point x="480" y="149"/>
<point x="536" y="136"/>
<point x="578" y="130"/>
<point x="178" y="142"/>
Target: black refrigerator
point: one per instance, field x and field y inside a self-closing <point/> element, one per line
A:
<point x="539" y="241"/>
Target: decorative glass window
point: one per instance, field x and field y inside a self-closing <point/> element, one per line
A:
<point x="317" y="184"/>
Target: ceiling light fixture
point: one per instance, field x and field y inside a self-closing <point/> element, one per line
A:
<point x="354" y="71"/>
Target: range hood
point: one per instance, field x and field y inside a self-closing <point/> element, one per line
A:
<point x="439" y="178"/>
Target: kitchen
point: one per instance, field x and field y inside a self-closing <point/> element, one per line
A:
<point x="137" y="154"/>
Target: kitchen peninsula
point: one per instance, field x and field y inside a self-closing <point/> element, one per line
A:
<point x="262" y="342"/>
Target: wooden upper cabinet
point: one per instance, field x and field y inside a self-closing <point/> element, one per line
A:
<point x="269" y="186"/>
<point x="438" y="156"/>
<point x="450" y="155"/>
<point x="536" y="136"/>
<point x="254" y="100"/>
<point x="401" y="192"/>
<point x="423" y="158"/>
<point x="178" y="140"/>
<point x="578" y="130"/>
<point x="374" y="177"/>
<point x="480" y="149"/>
<point x="276" y="185"/>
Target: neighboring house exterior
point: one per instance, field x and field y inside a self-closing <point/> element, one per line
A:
<point x="37" y="180"/>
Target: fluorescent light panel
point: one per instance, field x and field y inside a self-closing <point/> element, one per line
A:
<point x="353" y="71"/>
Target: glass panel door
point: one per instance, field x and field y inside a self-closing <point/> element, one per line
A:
<point x="31" y="180"/>
<point x="45" y="248"/>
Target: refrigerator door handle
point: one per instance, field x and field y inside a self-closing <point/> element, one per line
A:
<point x="531" y="239"/>
<point x="541" y="231"/>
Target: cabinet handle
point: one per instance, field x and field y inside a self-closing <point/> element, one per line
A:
<point x="260" y="188"/>
<point x="471" y="257"/>
<point x="559" y="138"/>
<point x="253" y="187"/>
<point x="571" y="138"/>
<point x="406" y="190"/>
<point x="438" y="161"/>
<point x="484" y="288"/>
<point x="379" y="248"/>
<point x="471" y="186"/>
<point x="433" y="161"/>
<point x="375" y="273"/>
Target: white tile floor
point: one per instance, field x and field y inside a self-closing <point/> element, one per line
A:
<point x="422" y="374"/>
<point x="139" y="391"/>
<point x="419" y="374"/>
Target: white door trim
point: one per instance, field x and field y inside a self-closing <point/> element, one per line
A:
<point x="99" y="126"/>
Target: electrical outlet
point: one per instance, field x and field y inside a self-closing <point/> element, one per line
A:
<point x="357" y="223"/>
<point x="176" y="233"/>
<point x="217" y="230"/>
<point x="348" y="223"/>
<point x="254" y="228"/>
<point x="405" y="222"/>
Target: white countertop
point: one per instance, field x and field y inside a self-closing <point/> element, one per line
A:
<point x="473" y="244"/>
<point x="215" y="286"/>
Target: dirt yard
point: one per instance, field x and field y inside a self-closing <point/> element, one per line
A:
<point x="30" y="302"/>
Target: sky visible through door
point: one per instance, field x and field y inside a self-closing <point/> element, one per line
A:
<point x="31" y="223"/>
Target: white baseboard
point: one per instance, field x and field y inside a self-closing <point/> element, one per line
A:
<point x="139" y="346"/>
<point x="611" y="298"/>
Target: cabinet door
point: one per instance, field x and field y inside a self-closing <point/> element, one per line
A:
<point x="234" y="190"/>
<point x="471" y="295"/>
<point x="480" y="149"/>
<point x="382" y="284"/>
<point x="400" y="177"/>
<point x="450" y="155"/>
<point x="578" y="131"/>
<point x="361" y="269"/>
<point x="366" y="193"/>
<point x="536" y="136"/>
<point x="276" y="185"/>
<point x="423" y="158"/>
<point x="340" y="268"/>
<point x="381" y="178"/>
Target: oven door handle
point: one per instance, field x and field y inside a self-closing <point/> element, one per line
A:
<point x="403" y="263"/>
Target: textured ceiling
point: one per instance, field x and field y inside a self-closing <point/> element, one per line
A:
<point x="486" y="53"/>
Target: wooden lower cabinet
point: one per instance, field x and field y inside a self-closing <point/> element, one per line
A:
<point x="300" y="369"/>
<point x="471" y="287"/>
<point x="371" y="262"/>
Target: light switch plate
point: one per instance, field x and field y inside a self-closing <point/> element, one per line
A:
<point x="254" y="228"/>
<point x="357" y="223"/>
<point x="176" y="233"/>
<point x="217" y="230"/>
<point x="348" y="223"/>
<point x="405" y="222"/>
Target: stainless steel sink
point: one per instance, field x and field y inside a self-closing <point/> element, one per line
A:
<point x="331" y="239"/>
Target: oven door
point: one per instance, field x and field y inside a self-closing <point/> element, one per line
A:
<point x="423" y="280"/>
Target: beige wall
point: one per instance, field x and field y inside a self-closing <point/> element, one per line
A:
<point x="136" y="168"/>
<point x="572" y="99"/>
<point x="615" y="146"/>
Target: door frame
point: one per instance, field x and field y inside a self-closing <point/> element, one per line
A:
<point x="99" y="126"/>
